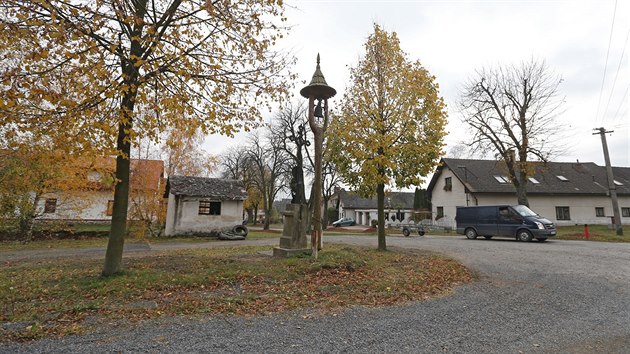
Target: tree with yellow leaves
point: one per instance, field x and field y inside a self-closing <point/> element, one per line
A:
<point x="391" y="125"/>
<point x="86" y="68"/>
<point x="39" y="182"/>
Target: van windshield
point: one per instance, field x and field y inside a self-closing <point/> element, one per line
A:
<point x="522" y="210"/>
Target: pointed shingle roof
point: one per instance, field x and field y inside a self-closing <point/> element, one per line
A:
<point x="581" y="178"/>
<point x="222" y="189"/>
<point x="393" y="200"/>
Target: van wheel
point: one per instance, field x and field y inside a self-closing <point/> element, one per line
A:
<point x="524" y="235"/>
<point x="471" y="234"/>
<point x="488" y="237"/>
<point x="405" y="232"/>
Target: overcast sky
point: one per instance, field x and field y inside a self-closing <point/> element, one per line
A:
<point x="453" y="38"/>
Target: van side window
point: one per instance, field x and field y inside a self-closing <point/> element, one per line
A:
<point x="506" y="213"/>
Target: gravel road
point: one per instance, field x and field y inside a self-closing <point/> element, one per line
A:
<point x="552" y="297"/>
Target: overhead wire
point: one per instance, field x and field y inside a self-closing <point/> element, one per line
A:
<point x="612" y="90"/>
<point x="623" y="100"/>
<point x="601" y="91"/>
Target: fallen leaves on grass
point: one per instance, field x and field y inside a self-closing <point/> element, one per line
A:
<point x="63" y="296"/>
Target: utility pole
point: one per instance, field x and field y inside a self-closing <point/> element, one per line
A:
<point x="611" y="181"/>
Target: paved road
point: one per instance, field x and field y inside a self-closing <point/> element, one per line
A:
<point x="558" y="296"/>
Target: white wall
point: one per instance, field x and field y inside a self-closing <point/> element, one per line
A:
<point x="581" y="208"/>
<point x="365" y="216"/>
<point x="449" y="200"/>
<point x="183" y="216"/>
<point x="88" y="206"/>
<point x="169" y="227"/>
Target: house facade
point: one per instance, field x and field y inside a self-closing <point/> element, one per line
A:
<point x="94" y="202"/>
<point x="398" y="207"/>
<point x="203" y="206"/>
<point x="563" y="192"/>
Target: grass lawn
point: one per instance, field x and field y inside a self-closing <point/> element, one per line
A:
<point x="595" y="233"/>
<point x="67" y="295"/>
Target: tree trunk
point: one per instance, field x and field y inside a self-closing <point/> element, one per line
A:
<point x="380" y="206"/>
<point x="27" y="221"/>
<point x="267" y="209"/>
<point x="115" y="245"/>
<point x="521" y="188"/>
<point x="256" y="214"/>
<point x="250" y="216"/>
<point x="113" y="256"/>
<point x="325" y="216"/>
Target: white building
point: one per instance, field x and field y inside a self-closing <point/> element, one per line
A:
<point x="563" y="192"/>
<point x="94" y="202"/>
<point x="203" y="206"/>
<point x="398" y="207"/>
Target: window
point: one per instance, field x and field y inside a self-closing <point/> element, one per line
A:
<point x="562" y="213"/>
<point x="617" y="183"/>
<point x="110" y="208"/>
<point x="207" y="207"/>
<point x="533" y="180"/>
<point x="448" y="183"/>
<point x="599" y="212"/>
<point x="625" y="212"/>
<point x="400" y="216"/>
<point x="502" y="179"/>
<point x="440" y="213"/>
<point x="50" y="206"/>
<point x="562" y="178"/>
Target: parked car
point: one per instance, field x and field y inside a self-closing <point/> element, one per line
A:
<point x="516" y="221"/>
<point x="344" y="222"/>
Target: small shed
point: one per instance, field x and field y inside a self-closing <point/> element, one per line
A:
<point x="203" y="206"/>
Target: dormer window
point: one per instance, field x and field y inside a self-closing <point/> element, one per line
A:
<point x="562" y="178"/>
<point x="533" y="180"/>
<point x="502" y="179"/>
<point x="617" y="183"/>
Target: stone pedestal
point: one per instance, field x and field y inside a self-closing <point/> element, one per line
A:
<point x="293" y="240"/>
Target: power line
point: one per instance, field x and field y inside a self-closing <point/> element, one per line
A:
<point x="612" y="26"/>
<point x="612" y="90"/>
<point x="623" y="100"/>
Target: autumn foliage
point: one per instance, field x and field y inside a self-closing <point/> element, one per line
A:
<point x="391" y="126"/>
<point x="94" y="75"/>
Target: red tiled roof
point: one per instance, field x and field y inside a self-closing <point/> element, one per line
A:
<point x="144" y="174"/>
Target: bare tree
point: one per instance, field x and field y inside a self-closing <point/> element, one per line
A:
<point x="291" y="135"/>
<point x="331" y="179"/>
<point x="269" y="169"/>
<point x="234" y="163"/>
<point x="512" y="111"/>
<point x="184" y="156"/>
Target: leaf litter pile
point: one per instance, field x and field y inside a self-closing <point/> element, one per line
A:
<point x="65" y="296"/>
